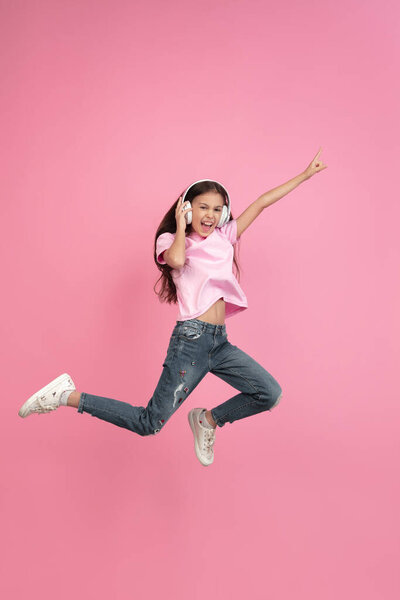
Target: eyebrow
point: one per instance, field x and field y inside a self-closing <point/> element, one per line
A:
<point x="205" y="204"/>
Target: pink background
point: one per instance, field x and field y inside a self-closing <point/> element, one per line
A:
<point x="108" y="110"/>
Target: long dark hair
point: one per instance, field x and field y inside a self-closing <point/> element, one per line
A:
<point x="167" y="292"/>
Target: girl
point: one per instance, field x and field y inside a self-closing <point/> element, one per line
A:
<point x="194" y="250"/>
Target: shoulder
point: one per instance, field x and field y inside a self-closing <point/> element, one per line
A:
<point x="165" y="239"/>
<point x="229" y="231"/>
<point x="163" y="242"/>
<point x="166" y="236"/>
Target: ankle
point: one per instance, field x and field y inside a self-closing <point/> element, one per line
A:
<point x="209" y="418"/>
<point x="74" y="399"/>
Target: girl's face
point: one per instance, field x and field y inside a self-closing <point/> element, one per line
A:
<point x="206" y="208"/>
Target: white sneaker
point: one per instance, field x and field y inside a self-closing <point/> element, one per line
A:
<point x="204" y="438"/>
<point x="48" y="398"/>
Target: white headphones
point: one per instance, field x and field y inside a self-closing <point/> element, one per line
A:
<point x="226" y="210"/>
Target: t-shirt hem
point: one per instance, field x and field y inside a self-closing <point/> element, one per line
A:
<point x="235" y="310"/>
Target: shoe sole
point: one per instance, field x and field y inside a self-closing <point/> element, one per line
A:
<point x="196" y="448"/>
<point x="24" y="410"/>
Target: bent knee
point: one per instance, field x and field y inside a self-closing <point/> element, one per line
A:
<point x="150" y="424"/>
<point x="147" y="432"/>
<point x="276" y="402"/>
<point x="159" y="426"/>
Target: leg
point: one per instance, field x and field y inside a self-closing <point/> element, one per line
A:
<point x="259" y="390"/>
<point x="74" y="399"/>
<point x="178" y="379"/>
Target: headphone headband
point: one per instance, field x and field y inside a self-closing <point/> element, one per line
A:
<point x="213" y="180"/>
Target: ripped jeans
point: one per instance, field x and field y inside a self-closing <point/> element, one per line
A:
<point x="195" y="349"/>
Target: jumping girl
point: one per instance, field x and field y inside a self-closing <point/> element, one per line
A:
<point x="194" y="250"/>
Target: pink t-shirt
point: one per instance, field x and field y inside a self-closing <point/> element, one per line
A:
<point x="207" y="274"/>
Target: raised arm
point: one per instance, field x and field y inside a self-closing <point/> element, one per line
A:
<point x="256" y="207"/>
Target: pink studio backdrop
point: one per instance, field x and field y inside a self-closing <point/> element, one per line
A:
<point x="108" y="110"/>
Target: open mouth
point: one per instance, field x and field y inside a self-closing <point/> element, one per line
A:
<point x="206" y="227"/>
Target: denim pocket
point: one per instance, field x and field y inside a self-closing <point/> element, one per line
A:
<point x="191" y="331"/>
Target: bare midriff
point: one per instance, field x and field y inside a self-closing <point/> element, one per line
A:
<point x="215" y="314"/>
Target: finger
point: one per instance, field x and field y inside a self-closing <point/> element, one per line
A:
<point x="318" y="153"/>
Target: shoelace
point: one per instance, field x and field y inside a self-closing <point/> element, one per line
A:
<point x="209" y="439"/>
<point x="43" y="406"/>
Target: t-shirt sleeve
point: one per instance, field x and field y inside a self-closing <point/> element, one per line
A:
<point x="229" y="230"/>
<point x="164" y="241"/>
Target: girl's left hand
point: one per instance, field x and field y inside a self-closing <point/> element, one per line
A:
<point x="315" y="165"/>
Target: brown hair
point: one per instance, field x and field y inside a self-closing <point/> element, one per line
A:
<point x="167" y="292"/>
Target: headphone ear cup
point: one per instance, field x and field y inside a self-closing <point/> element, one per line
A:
<point x="188" y="215"/>
<point x="224" y="216"/>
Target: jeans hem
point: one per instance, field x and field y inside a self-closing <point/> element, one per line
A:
<point x="218" y="421"/>
<point x="81" y="405"/>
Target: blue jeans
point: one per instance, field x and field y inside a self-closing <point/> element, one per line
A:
<point x="195" y="348"/>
